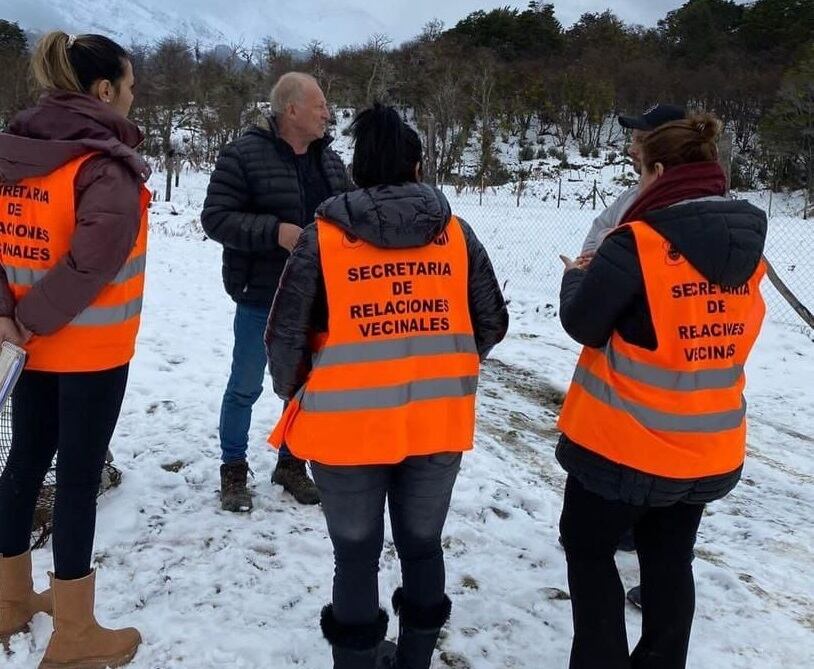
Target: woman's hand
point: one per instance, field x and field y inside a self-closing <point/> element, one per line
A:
<point x="25" y="333"/>
<point x="570" y="264"/>
<point x="584" y="260"/>
<point x="10" y="332"/>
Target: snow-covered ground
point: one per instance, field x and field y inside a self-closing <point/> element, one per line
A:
<point x="210" y="589"/>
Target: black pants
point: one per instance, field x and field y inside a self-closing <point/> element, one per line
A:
<point x="418" y="491"/>
<point x="665" y="536"/>
<point x="72" y="415"/>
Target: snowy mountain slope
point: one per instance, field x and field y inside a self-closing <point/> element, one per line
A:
<point x="291" y="22"/>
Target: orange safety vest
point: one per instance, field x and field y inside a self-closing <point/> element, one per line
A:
<point x="396" y="373"/>
<point x="678" y="411"/>
<point x="38" y="221"/>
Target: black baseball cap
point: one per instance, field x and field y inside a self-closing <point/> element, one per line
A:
<point x="654" y="117"/>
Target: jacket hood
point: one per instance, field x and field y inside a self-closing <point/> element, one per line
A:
<point x="722" y="238"/>
<point x="409" y="215"/>
<point x="61" y="127"/>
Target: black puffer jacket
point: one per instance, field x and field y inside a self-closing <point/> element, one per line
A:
<point x="256" y="186"/>
<point x="723" y="239"/>
<point x="392" y="217"/>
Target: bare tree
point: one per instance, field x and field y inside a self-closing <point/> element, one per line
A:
<point x="381" y="71"/>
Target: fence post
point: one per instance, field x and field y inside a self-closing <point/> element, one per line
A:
<point x="432" y="172"/>
<point x="169" y="161"/>
<point x="799" y="308"/>
<point x="771" y="194"/>
<point x="559" y="192"/>
<point x="725" y="157"/>
<point x="594" y="196"/>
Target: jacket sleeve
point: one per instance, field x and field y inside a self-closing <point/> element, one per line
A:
<point x="227" y="217"/>
<point x="294" y="316"/>
<point x="608" y="220"/>
<point x="7" y="303"/>
<point x="487" y="306"/>
<point x="592" y="300"/>
<point x="107" y="224"/>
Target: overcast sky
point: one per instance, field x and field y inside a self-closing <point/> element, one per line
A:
<point x="408" y="16"/>
<point x="418" y="12"/>
<point x="293" y="22"/>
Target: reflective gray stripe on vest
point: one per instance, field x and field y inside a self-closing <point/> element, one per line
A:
<point x="705" y="379"/>
<point x="23" y="276"/>
<point x="109" y="315"/>
<point x="394" y="349"/>
<point x="660" y="420"/>
<point x="131" y="269"/>
<point x="388" y="397"/>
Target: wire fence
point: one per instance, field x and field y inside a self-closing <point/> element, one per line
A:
<point x="525" y="236"/>
<point x="525" y="242"/>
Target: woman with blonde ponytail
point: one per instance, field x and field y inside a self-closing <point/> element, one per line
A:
<point x="51" y="64"/>
<point x="71" y="282"/>
<point x="653" y="425"/>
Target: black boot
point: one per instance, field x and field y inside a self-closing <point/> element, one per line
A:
<point x="634" y="596"/>
<point x="357" y="646"/>
<point x="290" y="473"/>
<point x="234" y="493"/>
<point x="627" y="543"/>
<point x="419" y="628"/>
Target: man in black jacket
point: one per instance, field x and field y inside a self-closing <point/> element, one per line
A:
<point x="265" y="188"/>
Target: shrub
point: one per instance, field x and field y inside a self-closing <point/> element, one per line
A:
<point x="526" y="153"/>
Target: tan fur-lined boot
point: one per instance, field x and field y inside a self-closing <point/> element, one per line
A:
<point x="18" y="601"/>
<point x="78" y="641"/>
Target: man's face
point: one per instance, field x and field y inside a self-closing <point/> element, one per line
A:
<point x="635" y="149"/>
<point x="310" y="116"/>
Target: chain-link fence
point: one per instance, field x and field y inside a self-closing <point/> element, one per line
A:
<point x="524" y="237"/>
<point x="525" y="241"/>
<point x="790" y="249"/>
<point x="43" y="514"/>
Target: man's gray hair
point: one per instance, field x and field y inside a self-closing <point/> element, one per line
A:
<point x="289" y="89"/>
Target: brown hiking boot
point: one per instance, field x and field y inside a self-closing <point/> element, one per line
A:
<point x="290" y="473"/>
<point x="18" y="601"/>
<point x="78" y="641"/>
<point x="234" y="493"/>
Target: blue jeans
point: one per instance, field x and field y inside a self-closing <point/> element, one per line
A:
<point x="245" y="382"/>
